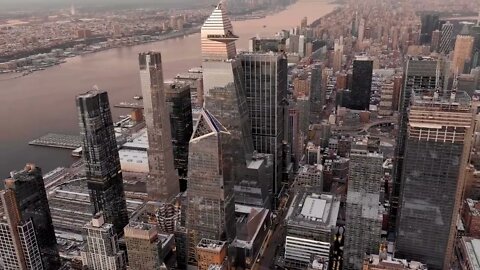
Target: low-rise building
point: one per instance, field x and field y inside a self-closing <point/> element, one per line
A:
<point x="467" y="252"/>
<point x="471" y="217"/>
<point x="211" y="252"/>
<point x="386" y="261"/>
<point x="310" y="175"/>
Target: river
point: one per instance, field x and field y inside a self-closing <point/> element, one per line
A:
<point x="44" y="101"/>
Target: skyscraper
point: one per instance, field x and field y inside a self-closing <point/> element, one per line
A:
<point x="180" y="109"/>
<point x="361" y="84"/>
<point x="102" y="250"/>
<point x="100" y="154"/>
<point x="265" y="81"/>
<point x="437" y="149"/>
<point x="435" y="45"/>
<point x="419" y="74"/>
<point x="18" y="241"/>
<point x="162" y="181"/>
<point x="430" y="22"/>
<point x="364" y="215"/>
<point x="210" y="199"/>
<point x="31" y="199"/>
<point x="446" y="38"/>
<point x="317" y="95"/>
<point x="462" y="54"/>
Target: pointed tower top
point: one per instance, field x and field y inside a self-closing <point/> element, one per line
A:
<point x="207" y="124"/>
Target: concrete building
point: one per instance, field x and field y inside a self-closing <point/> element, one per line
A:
<point x="102" y="162"/>
<point x="317" y="95"/>
<point x="388" y="262"/>
<point x="211" y="252"/>
<point x="102" y="251"/>
<point x="146" y="249"/>
<point x="440" y="129"/>
<point x="446" y="38"/>
<point x="311" y="222"/>
<point x="18" y="242"/>
<point x="467" y="252"/>
<point x="310" y="175"/>
<point x="364" y="214"/>
<point x="162" y="181"/>
<point x="386" y="100"/>
<point x="265" y="45"/>
<point x="30" y="195"/>
<point x="462" y="54"/>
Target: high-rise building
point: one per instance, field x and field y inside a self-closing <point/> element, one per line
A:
<point x="265" y="45"/>
<point x="364" y="215"/>
<point x="361" y="84"/>
<point x="265" y="82"/>
<point x="420" y="73"/>
<point x="462" y="54"/>
<point x="102" y="162"/>
<point x="102" y="250"/>
<point x="210" y="197"/>
<point x="337" y="55"/>
<point x="436" y="37"/>
<point x="437" y="149"/>
<point x="144" y="247"/>
<point x="211" y="252"/>
<point x="317" y="95"/>
<point x="386" y="98"/>
<point x="430" y="22"/>
<point x="446" y="38"/>
<point x="180" y="109"/>
<point x="31" y="199"/>
<point x="162" y="180"/>
<point x="18" y="242"/>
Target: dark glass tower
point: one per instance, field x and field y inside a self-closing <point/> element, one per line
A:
<point x="31" y="198"/>
<point x="420" y="74"/>
<point x="210" y="196"/>
<point x="361" y="84"/>
<point x="436" y="154"/>
<point x="102" y="163"/>
<point x="317" y="95"/>
<point x="265" y="81"/>
<point x="180" y="108"/>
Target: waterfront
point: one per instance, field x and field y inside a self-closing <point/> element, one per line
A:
<point x="43" y="102"/>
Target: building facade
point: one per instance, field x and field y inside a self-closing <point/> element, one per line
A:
<point x="436" y="154"/>
<point x="361" y="84"/>
<point x="31" y="198"/>
<point x="211" y="252"/>
<point x="162" y="181"/>
<point x="102" y="251"/>
<point x="144" y="248"/>
<point x="102" y="162"/>
<point x="462" y="54"/>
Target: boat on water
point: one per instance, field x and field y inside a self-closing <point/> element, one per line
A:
<point x="138" y="97"/>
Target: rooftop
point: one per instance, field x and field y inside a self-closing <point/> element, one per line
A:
<point x="472" y="248"/>
<point x="208" y="244"/>
<point x="371" y="208"/>
<point x="388" y="262"/>
<point x="474" y="207"/>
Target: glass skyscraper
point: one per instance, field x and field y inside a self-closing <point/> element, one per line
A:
<point x="436" y="154"/>
<point x="102" y="162"/>
<point x="361" y="84"/>
<point x="210" y="196"/>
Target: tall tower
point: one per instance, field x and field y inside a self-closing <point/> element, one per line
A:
<point x="420" y="74"/>
<point x="144" y="247"/>
<point x="210" y="198"/>
<point x="462" y="53"/>
<point x="362" y="84"/>
<point x="31" y="199"/>
<point x="162" y="181"/>
<point x="364" y="216"/>
<point x="446" y="38"/>
<point x="437" y="147"/>
<point x="102" y="250"/>
<point x="265" y="81"/>
<point x="18" y="241"/>
<point x="100" y="154"/>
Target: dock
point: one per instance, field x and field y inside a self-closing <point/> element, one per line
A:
<point x="58" y="141"/>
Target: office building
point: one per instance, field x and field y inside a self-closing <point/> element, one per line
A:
<point x="177" y="97"/>
<point x="310" y="175"/>
<point x="18" y="241"/>
<point x="146" y="249"/>
<point x="211" y="252"/>
<point x="436" y="38"/>
<point x="438" y="141"/>
<point x="337" y="55"/>
<point x="317" y="95"/>
<point x="430" y="22"/>
<point x="162" y="180"/>
<point x="386" y="261"/>
<point x="446" y="38"/>
<point x="471" y="217"/>
<point x="31" y="197"/>
<point x="101" y="249"/>
<point x="311" y="222"/>
<point x="420" y="73"/>
<point x="386" y="99"/>
<point x="265" y="45"/>
<point x="210" y="202"/>
<point x="102" y="162"/>
<point x="265" y="82"/>
<point x="194" y="79"/>
<point x="361" y="84"/>
<point x="462" y="54"/>
<point x="364" y="213"/>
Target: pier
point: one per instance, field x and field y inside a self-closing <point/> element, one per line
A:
<point x="58" y="141"/>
